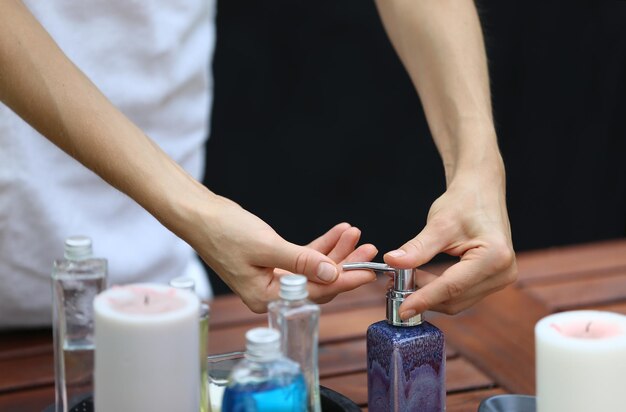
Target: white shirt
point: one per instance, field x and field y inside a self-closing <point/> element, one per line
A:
<point x="152" y="60"/>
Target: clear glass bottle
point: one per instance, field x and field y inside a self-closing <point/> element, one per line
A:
<point x="76" y="280"/>
<point x="406" y="359"/>
<point x="189" y="284"/>
<point x="265" y="380"/>
<point x="297" y="320"/>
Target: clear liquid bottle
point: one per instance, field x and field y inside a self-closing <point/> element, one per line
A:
<point x="189" y="284"/>
<point x="297" y="320"/>
<point x="76" y="280"/>
<point x="265" y="380"/>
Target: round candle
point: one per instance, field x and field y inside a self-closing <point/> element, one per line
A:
<point x="581" y="362"/>
<point x="146" y="357"/>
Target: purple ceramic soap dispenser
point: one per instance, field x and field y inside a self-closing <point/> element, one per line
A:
<point x="406" y="359"/>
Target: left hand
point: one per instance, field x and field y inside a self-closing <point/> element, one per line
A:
<point x="470" y="221"/>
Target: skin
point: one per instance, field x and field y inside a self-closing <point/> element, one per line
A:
<point x="41" y="85"/>
<point x="441" y="46"/>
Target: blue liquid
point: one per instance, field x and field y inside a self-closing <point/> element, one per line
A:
<point x="266" y="396"/>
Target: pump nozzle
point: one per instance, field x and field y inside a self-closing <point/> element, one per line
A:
<point x="403" y="286"/>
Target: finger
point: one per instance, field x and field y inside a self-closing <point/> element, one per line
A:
<point x="496" y="281"/>
<point x="345" y="245"/>
<point x="389" y="283"/>
<point x="457" y="307"/>
<point x="481" y="271"/>
<point x="281" y="272"/>
<point x="452" y="284"/>
<point x="328" y="240"/>
<point x="474" y="294"/>
<point x="419" y="250"/>
<point x="347" y="280"/>
<point x="300" y="260"/>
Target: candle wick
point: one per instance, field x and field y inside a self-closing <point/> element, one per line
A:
<point x="587" y="327"/>
<point x="146" y="299"/>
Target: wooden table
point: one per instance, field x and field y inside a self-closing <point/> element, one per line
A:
<point x="490" y="346"/>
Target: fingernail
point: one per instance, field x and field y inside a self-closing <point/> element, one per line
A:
<point x="397" y="253"/>
<point x="407" y="314"/>
<point x="326" y="272"/>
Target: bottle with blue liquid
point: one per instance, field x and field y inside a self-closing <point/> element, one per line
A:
<point x="265" y="380"/>
<point x="406" y="359"/>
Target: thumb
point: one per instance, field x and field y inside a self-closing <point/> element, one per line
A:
<point x="304" y="261"/>
<point x="417" y="251"/>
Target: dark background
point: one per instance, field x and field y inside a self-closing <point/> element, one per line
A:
<point x="315" y="121"/>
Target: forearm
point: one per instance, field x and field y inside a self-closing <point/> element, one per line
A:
<point x="441" y="45"/>
<point x="41" y="85"/>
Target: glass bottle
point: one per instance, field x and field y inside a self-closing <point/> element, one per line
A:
<point x="297" y="320"/>
<point x="187" y="283"/>
<point x="76" y="280"/>
<point x="405" y="358"/>
<point x="265" y="380"/>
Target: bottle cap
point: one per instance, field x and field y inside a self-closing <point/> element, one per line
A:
<point x="262" y="344"/>
<point x="293" y="287"/>
<point x="78" y="248"/>
<point x="183" y="282"/>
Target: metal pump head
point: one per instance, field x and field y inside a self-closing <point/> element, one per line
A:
<point x="403" y="286"/>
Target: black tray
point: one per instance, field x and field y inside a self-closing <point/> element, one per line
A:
<point x="331" y="402"/>
<point x="335" y="402"/>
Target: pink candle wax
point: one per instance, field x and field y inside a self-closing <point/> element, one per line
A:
<point x="588" y="329"/>
<point x="145" y="300"/>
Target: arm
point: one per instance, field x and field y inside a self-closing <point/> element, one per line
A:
<point x="441" y="46"/>
<point x="41" y="85"/>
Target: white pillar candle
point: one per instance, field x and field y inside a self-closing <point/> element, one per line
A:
<point x="146" y="349"/>
<point x="581" y="362"/>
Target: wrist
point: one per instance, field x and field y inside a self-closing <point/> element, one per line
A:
<point x="474" y="153"/>
<point x="181" y="203"/>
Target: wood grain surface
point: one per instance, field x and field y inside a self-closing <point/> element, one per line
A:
<point x="490" y="347"/>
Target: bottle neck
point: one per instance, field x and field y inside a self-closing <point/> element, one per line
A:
<point x="294" y="296"/>
<point x="394" y="300"/>
<point x="79" y="256"/>
<point x="295" y="302"/>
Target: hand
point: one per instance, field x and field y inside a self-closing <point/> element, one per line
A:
<point x="249" y="255"/>
<point x="470" y="221"/>
<point x="339" y="244"/>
